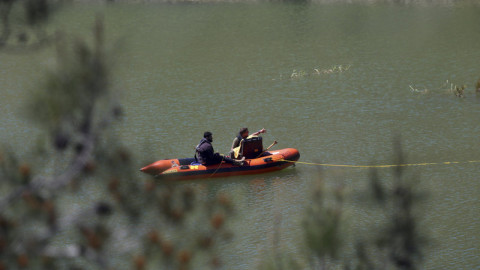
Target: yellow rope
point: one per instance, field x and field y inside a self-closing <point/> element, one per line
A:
<point x="219" y="165"/>
<point x="383" y="166"/>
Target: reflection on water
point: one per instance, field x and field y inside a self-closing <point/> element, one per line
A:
<point x="191" y="68"/>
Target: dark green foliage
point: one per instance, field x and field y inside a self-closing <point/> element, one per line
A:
<point x="396" y="243"/>
<point x="73" y="91"/>
<point x="124" y="220"/>
<point x="36" y="11"/>
<point x="376" y="187"/>
<point x="322" y="225"/>
<point x="5" y="9"/>
<point x="400" y="243"/>
<point x="34" y="15"/>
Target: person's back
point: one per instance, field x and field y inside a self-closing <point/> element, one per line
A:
<point x="204" y="151"/>
<point x="206" y="155"/>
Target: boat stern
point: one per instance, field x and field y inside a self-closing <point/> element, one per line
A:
<point x="291" y="154"/>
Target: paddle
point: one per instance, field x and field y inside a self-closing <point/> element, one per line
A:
<point x="274" y="142"/>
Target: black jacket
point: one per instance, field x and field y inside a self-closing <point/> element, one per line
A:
<point x="204" y="151"/>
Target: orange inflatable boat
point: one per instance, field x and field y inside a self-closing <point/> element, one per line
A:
<point x="188" y="168"/>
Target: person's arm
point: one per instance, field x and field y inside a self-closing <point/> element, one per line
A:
<point x="235" y="143"/>
<point x="260" y="131"/>
<point x="209" y="153"/>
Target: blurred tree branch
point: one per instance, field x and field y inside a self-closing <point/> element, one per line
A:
<point x="25" y="30"/>
<point x="75" y="107"/>
<point x="67" y="108"/>
<point x="322" y="226"/>
<point x="400" y="243"/>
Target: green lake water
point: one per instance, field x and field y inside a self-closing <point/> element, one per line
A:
<point x="187" y="68"/>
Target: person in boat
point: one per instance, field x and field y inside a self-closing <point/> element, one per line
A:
<point x="205" y="154"/>
<point x="242" y="135"/>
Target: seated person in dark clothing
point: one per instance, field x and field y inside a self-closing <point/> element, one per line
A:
<point x="206" y="155"/>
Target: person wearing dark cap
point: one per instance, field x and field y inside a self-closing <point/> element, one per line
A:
<point x="205" y="154"/>
<point x="242" y="134"/>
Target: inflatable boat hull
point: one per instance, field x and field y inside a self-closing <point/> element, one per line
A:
<point x="184" y="169"/>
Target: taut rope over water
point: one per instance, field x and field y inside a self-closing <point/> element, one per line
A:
<point x="384" y="166"/>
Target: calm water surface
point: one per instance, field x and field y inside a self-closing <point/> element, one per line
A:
<point x="185" y="69"/>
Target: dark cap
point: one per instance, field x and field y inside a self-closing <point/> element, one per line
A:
<point x="206" y="134"/>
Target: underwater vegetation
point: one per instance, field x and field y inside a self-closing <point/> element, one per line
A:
<point x="299" y="74"/>
<point x="448" y="88"/>
<point x="334" y="69"/>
